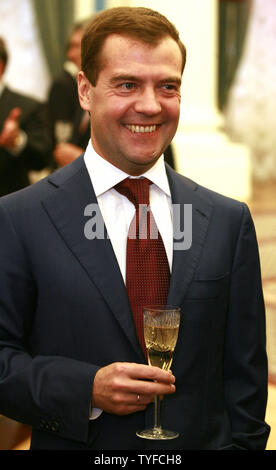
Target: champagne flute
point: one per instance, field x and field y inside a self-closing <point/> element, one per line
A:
<point x="161" y="327"/>
<point x="63" y="131"/>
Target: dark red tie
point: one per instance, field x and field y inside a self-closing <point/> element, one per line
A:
<point x="147" y="268"/>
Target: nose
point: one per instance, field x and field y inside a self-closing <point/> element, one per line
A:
<point x="147" y="102"/>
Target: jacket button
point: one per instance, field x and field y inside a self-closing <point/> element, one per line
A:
<point x="42" y="424"/>
<point x="55" y="426"/>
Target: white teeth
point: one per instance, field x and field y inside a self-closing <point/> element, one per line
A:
<point x="141" y="129"/>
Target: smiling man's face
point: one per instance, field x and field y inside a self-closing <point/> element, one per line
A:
<point x="135" y="104"/>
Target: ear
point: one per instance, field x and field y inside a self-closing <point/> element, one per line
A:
<point x="84" y="90"/>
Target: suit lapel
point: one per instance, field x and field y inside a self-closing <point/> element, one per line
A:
<point x="65" y="208"/>
<point x="185" y="261"/>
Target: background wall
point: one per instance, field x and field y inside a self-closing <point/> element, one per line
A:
<point x="27" y="69"/>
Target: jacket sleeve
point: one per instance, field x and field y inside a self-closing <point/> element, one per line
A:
<point x="51" y="393"/>
<point x="245" y="368"/>
<point x="35" y="124"/>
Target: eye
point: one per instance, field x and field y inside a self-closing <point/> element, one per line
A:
<point x="169" y="87"/>
<point x="127" y="86"/>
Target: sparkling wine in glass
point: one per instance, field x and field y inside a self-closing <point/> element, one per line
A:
<point x="161" y="327"/>
<point x="63" y="131"/>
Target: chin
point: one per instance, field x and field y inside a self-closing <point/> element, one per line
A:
<point x="148" y="157"/>
<point x="148" y="160"/>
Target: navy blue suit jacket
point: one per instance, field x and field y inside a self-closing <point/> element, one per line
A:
<point x="64" y="313"/>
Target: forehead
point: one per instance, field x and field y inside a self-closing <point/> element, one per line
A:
<point x="125" y="51"/>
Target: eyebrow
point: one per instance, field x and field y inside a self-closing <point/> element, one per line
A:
<point x="171" y="80"/>
<point x="124" y="77"/>
<point x="133" y="78"/>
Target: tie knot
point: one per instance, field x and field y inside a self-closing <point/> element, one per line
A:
<point x="135" y="189"/>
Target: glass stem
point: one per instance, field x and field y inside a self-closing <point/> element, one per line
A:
<point x="157" y="412"/>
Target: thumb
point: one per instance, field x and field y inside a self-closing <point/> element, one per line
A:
<point x="15" y="114"/>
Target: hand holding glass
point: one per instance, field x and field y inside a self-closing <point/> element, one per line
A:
<point x="161" y="327"/>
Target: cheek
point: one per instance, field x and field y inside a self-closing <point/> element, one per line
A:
<point x="111" y="110"/>
<point x="116" y="106"/>
<point x="120" y="109"/>
<point x="174" y="110"/>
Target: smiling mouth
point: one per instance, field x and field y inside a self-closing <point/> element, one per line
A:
<point x="141" y="129"/>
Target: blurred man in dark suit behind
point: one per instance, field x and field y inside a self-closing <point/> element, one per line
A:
<point x="24" y="134"/>
<point x="65" y="113"/>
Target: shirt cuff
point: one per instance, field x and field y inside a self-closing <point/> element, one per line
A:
<point x="94" y="413"/>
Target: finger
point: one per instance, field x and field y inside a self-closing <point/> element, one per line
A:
<point x="142" y="371"/>
<point x="141" y="400"/>
<point x="126" y="403"/>
<point x="134" y="405"/>
<point x="154" y="388"/>
<point x="15" y="114"/>
<point x="10" y="130"/>
<point x="143" y="379"/>
<point x="145" y="387"/>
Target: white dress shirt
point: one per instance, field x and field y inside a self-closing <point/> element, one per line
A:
<point x="118" y="211"/>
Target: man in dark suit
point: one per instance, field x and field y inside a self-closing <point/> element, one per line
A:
<point x="71" y="362"/>
<point x="24" y="134"/>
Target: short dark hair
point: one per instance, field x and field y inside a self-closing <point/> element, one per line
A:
<point x="3" y="51"/>
<point x="144" y="24"/>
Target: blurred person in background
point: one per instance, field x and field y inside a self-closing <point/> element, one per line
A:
<point x="24" y="134"/>
<point x="70" y="126"/>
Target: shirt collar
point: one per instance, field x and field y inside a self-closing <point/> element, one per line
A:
<point x="98" y="166"/>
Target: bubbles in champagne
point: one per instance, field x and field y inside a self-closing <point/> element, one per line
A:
<point x="160" y="342"/>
